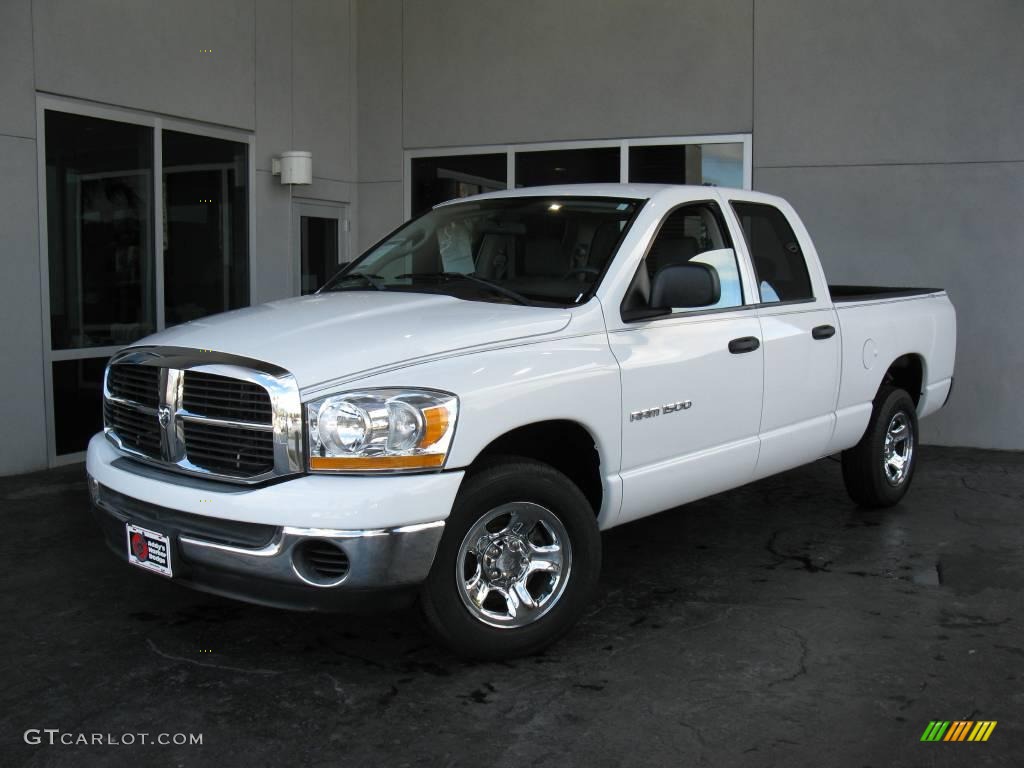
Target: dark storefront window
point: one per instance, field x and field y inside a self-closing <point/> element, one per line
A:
<point x="717" y="164"/>
<point x="437" y="179"/>
<point x="567" y="166"/>
<point x="102" y="240"/>
<point x="77" y="402"/>
<point x="206" y="228"/>
<point x="99" y="210"/>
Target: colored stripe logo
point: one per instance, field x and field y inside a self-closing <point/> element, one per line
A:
<point x="958" y="730"/>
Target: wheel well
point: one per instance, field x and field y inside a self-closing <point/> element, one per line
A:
<point x="907" y="372"/>
<point x="565" y="445"/>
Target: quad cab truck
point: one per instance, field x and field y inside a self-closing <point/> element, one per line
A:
<point x="457" y="414"/>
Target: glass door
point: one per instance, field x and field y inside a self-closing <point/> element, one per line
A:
<point x="321" y="241"/>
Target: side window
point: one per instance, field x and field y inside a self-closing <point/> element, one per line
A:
<point x="778" y="261"/>
<point x="695" y="236"/>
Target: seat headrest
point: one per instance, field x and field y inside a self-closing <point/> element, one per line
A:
<point x="671" y="250"/>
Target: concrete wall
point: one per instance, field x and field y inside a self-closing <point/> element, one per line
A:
<point x="305" y="78"/>
<point x="380" y="141"/>
<point x="893" y="127"/>
<point x="21" y="343"/>
<point x="281" y="69"/>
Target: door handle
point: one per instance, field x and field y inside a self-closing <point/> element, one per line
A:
<point x="823" y="332"/>
<point x="744" y="344"/>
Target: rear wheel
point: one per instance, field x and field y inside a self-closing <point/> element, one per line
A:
<point x="517" y="564"/>
<point x="878" y="470"/>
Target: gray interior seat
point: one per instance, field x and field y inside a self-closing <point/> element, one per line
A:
<point x="669" y="251"/>
<point x="605" y="238"/>
<point x="495" y="257"/>
<point x="666" y="251"/>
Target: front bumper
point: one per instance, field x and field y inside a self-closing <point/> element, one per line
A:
<point x="267" y="558"/>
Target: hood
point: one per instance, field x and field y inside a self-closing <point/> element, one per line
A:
<point x="339" y="335"/>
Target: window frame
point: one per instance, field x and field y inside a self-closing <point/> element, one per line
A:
<point x="623" y="144"/>
<point x="324" y="209"/>
<point x="726" y="228"/>
<point x="157" y="123"/>
<point x="641" y="203"/>
<point x="813" y="298"/>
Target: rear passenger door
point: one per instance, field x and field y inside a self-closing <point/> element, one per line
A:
<point x="799" y="332"/>
<point x="691" y="380"/>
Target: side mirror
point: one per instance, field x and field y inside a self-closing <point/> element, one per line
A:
<point x="685" y="286"/>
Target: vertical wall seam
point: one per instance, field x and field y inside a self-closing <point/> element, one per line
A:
<point x="353" y="114"/>
<point x="401" y="42"/>
<point x="351" y="225"/>
<point x="42" y="246"/>
<point x="291" y="72"/>
<point x="753" y="86"/>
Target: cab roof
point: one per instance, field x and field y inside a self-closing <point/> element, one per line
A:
<point x="630" y="191"/>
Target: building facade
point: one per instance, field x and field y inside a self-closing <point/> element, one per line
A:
<point x="137" y="140"/>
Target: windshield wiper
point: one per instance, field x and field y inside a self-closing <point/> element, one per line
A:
<point x="517" y="297"/>
<point x="372" y="280"/>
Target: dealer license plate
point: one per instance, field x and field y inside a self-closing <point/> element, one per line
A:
<point x="149" y="549"/>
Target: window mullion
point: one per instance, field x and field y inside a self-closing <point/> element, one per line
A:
<point x="158" y="220"/>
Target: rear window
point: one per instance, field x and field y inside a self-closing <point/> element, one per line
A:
<point x="778" y="260"/>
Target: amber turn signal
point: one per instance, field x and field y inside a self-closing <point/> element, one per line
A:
<point x="383" y="463"/>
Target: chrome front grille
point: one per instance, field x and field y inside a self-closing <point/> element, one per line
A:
<point x="226" y="427"/>
<point x="233" y="451"/>
<point x="136" y="383"/>
<point x="225" y="398"/>
<point x="204" y="413"/>
<point x="137" y="428"/>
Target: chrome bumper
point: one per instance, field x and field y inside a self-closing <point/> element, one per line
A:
<point x="382" y="558"/>
<point x="274" y="565"/>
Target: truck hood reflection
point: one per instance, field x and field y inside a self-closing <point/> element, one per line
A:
<point x="344" y="334"/>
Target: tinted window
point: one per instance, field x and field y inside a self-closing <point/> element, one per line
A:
<point x="778" y="261"/>
<point x="567" y="166"/>
<point x="206" y="226"/>
<point x="438" y="179"/>
<point x="717" y="164"/>
<point x="318" y="244"/>
<point x="693" y="234"/>
<point x="99" y="206"/>
<point x="526" y="250"/>
<point x="77" y="402"/>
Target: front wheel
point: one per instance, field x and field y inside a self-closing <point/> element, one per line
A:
<point x="519" y="559"/>
<point x="878" y="470"/>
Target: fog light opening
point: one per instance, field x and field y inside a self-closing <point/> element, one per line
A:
<point x="320" y="562"/>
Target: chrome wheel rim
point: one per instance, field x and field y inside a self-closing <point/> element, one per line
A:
<point x="513" y="565"/>
<point x="898" y="449"/>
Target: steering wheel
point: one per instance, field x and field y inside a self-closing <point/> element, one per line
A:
<point x="583" y="271"/>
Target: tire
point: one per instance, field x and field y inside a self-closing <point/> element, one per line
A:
<point x="874" y="477"/>
<point x="475" y="560"/>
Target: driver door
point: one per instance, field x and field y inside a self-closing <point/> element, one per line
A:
<point x="692" y="379"/>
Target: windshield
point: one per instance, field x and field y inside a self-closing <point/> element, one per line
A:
<point x="521" y="250"/>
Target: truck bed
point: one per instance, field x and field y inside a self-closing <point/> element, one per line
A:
<point x="847" y="293"/>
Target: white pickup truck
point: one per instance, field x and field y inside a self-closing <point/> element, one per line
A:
<point x="457" y="414"/>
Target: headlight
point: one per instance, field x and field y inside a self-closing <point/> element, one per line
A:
<point x="381" y="430"/>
